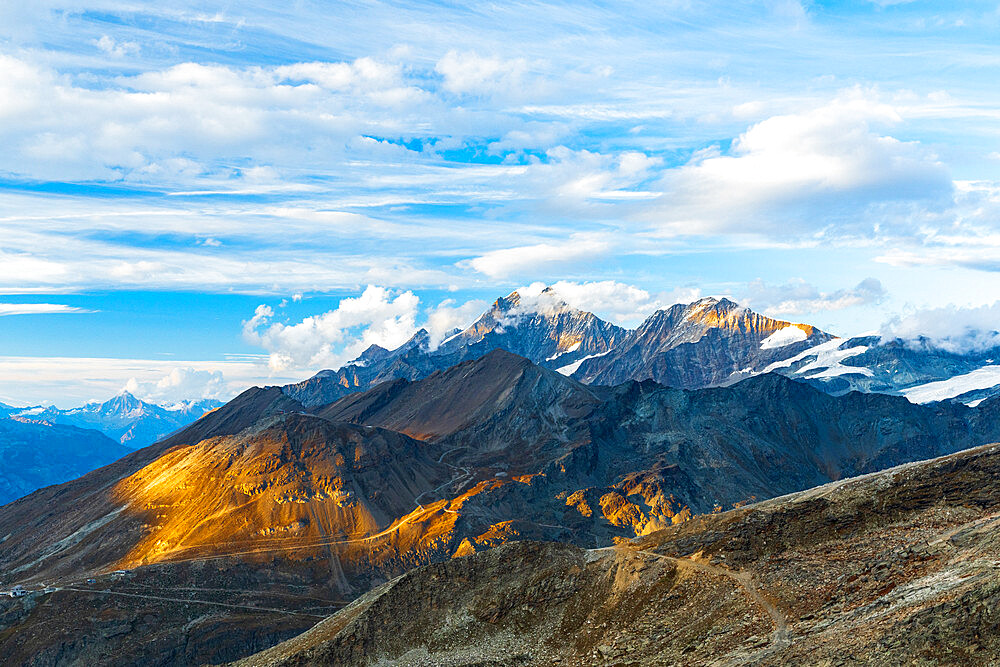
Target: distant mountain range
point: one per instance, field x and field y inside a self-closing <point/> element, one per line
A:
<point x="707" y="343"/>
<point x="36" y="454"/>
<point x="132" y="422"/>
<point x="40" y="446"/>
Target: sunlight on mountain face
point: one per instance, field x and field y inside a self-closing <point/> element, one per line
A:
<point x="295" y="484"/>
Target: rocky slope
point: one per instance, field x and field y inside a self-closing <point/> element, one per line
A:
<point x="900" y="567"/>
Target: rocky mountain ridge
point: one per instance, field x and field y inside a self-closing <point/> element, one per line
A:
<point x="711" y="342"/>
<point x="544" y="329"/>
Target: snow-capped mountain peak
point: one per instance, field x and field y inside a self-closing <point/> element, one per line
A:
<point x="125" y="417"/>
<point x="123" y="404"/>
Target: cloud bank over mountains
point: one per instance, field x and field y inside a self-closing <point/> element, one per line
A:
<point x="401" y="166"/>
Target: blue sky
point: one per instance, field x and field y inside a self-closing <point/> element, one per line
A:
<point x="201" y="196"/>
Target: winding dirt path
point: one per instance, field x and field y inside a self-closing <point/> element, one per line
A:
<point x="191" y="601"/>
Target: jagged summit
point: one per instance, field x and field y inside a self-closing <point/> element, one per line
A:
<point x="713" y="341"/>
<point x="546" y="302"/>
<point x="706" y="343"/>
<point x="539" y="326"/>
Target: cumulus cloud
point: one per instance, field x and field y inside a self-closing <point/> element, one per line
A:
<point x="378" y="316"/>
<point x="450" y="315"/>
<point x="364" y="73"/>
<point x="951" y="328"/>
<point x="470" y="73"/>
<point x="117" y="49"/>
<point x="180" y="384"/>
<point x="38" y="309"/>
<point x="803" y="171"/>
<point x="798" y="296"/>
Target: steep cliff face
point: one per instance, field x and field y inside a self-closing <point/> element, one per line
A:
<point x="703" y="344"/>
<point x="895" y="568"/>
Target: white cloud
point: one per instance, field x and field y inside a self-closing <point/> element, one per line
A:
<point x="470" y="73"/>
<point x="38" y="309"/>
<point x="377" y="317"/>
<point x="620" y="303"/>
<point x="450" y="315"/>
<point x="581" y="180"/>
<point x="800" y="297"/>
<point x="803" y="172"/>
<point x="72" y="381"/>
<point x="365" y="73"/>
<point x="180" y="384"/>
<point x="537" y="258"/>
<point x="206" y="116"/>
<point x="952" y="328"/>
<point x="115" y="48"/>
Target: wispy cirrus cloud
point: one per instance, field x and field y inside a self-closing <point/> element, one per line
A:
<point x="39" y="309"/>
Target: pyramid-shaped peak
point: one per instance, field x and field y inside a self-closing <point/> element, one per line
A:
<point x="123" y="401"/>
<point x="505" y="303"/>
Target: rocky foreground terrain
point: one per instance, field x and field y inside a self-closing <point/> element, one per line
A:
<point x="266" y="516"/>
<point x="897" y="567"/>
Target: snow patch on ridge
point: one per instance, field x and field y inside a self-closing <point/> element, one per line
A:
<point x="981" y="378"/>
<point x="572" y="348"/>
<point x="827" y="362"/>
<point x="569" y="369"/>
<point x="782" y="337"/>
